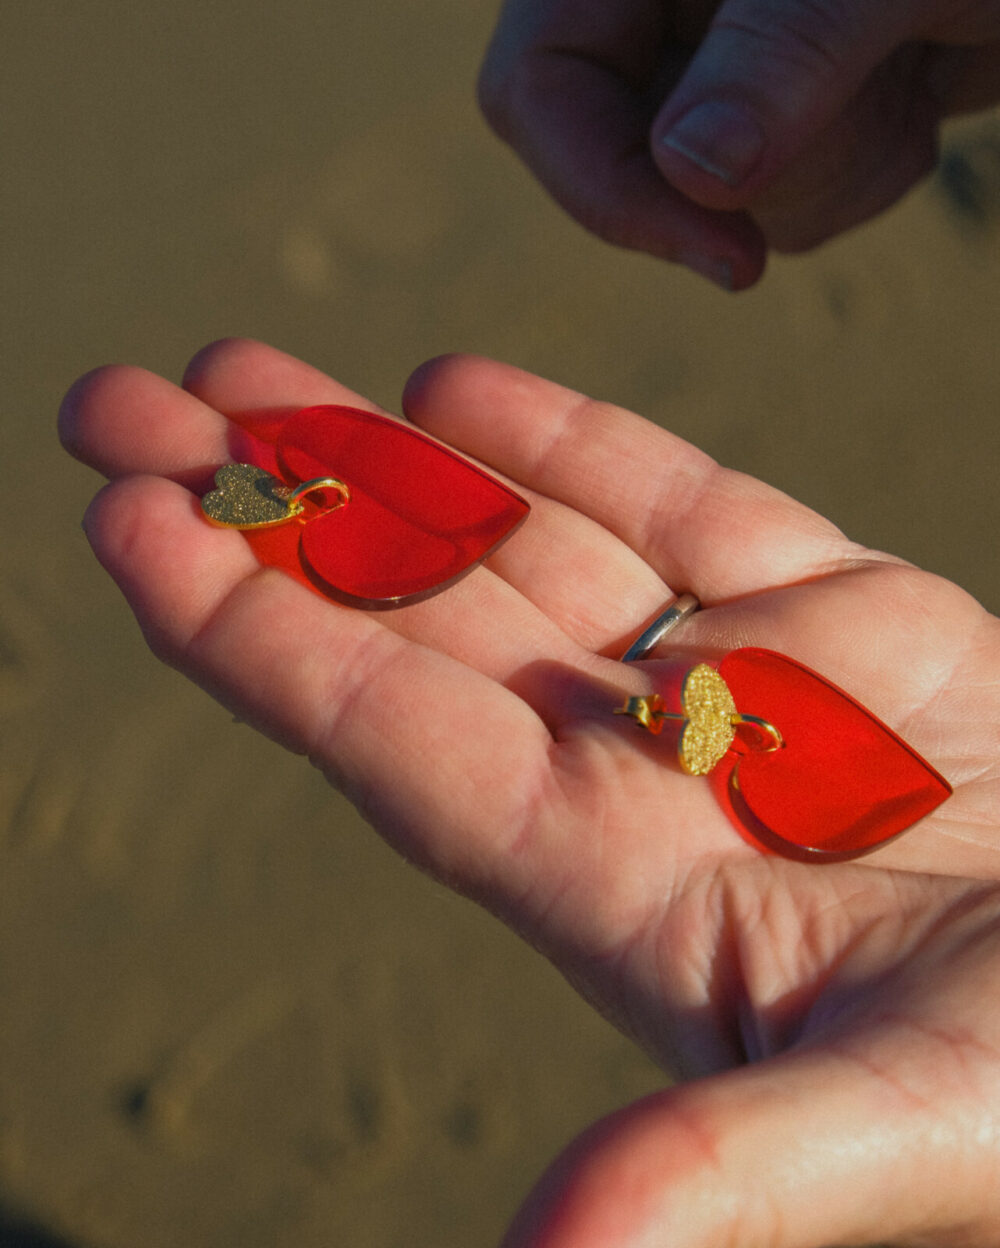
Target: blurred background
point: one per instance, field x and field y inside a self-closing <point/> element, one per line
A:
<point x="228" y="1016"/>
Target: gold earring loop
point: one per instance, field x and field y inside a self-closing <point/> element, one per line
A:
<point x="318" y="483"/>
<point x="776" y="737"/>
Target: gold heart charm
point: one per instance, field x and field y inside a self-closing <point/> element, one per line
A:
<point x="711" y="720"/>
<point x="246" y="497"/>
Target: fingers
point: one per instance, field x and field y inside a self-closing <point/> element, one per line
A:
<point x="599" y="475"/>
<point x="769" y="78"/>
<point x="581" y="575"/>
<point x="585" y="587"/>
<point x="882" y="143"/>
<point x="702" y="528"/>
<point x="415" y="739"/>
<point x="122" y="420"/>
<point x="239" y="375"/>
<point x="564" y="84"/>
<point x="798" y="1151"/>
<point x="127" y="421"/>
<point x="784" y="123"/>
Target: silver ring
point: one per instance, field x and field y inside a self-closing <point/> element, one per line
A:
<point x="686" y="604"/>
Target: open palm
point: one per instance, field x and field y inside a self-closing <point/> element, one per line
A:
<point x="474" y="730"/>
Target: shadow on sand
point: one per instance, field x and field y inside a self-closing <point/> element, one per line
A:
<point x="21" y="1232"/>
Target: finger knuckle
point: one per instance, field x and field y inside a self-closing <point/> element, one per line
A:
<point x="812" y="35"/>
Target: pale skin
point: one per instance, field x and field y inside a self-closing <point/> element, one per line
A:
<point x="837" y="1025"/>
<point x="840" y="105"/>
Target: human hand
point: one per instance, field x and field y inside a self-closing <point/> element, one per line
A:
<point x="474" y="730"/>
<point x="811" y="117"/>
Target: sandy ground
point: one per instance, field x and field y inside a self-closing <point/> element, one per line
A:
<point x="229" y="1015"/>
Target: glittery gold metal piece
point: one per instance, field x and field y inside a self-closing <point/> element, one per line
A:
<point x="246" y="497"/>
<point x="709" y="719"/>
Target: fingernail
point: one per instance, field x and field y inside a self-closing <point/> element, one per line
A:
<point x="718" y="271"/>
<point x="720" y="138"/>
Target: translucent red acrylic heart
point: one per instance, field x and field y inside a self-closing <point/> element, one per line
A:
<point x="419" y="515"/>
<point x="844" y="783"/>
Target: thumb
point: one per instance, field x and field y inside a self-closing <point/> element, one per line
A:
<point x="769" y="77"/>
<point x="793" y="1152"/>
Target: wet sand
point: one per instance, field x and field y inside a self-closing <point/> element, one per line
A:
<point x="229" y="1015"/>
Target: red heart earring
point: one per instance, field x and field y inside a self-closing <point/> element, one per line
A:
<point x="366" y="508"/>
<point x="811" y="773"/>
